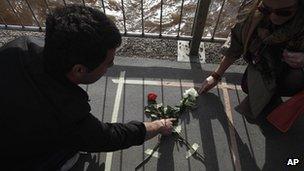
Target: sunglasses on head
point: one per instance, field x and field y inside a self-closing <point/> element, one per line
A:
<point x="283" y="12"/>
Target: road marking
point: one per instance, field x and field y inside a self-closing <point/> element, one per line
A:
<point x="120" y="82"/>
<point x="155" y="153"/>
<point x="175" y="84"/>
<point x="233" y="145"/>
<point x="222" y="85"/>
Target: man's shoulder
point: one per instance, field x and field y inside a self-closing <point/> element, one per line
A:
<point x="23" y="49"/>
<point x="37" y="41"/>
<point x="23" y="42"/>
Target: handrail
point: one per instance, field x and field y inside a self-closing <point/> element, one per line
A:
<point x="196" y="34"/>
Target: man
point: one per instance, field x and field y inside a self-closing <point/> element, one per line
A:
<point x="44" y="116"/>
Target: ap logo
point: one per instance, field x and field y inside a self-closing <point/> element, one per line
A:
<point x="293" y="162"/>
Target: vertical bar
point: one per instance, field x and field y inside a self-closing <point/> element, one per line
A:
<point x="218" y="19"/>
<point x="142" y="18"/>
<point x="103" y="7"/>
<point x="47" y="6"/>
<point x="104" y="98"/>
<point x="37" y="22"/>
<point x="15" y="13"/>
<point x="244" y="2"/>
<point x="162" y="89"/>
<point x="83" y="2"/>
<point x="121" y="83"/>
<point x="245" y="125"/>
<point x="180" y="18"/>
<point x="161" y="18"/>
<point x="234" y="151"/>
<point x="143" y="117"/>
<point x="124" y="16"/>
<point x="198" y="26"/>
<point x="3" y="21"/>
<point x="64" y="2"/>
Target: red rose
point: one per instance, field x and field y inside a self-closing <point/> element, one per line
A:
<point x="152" y="96"/>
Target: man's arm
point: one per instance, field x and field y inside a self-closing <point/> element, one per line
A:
<point x="163" y="126"/>
<point x="91" y="135"/>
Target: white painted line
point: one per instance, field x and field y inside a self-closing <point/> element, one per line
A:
<point x="175" y="84"/>
<point x="233" y="149"/>
<point x="121" y="80"/>
<point x="86" y="166"/>
<point x="155" y="153"/>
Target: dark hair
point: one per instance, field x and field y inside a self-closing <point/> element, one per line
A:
<point x="77" y="34"/>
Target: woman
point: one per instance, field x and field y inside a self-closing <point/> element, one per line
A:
<point x="270" y="37"/>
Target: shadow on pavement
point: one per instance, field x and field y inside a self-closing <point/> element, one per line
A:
<point x="277" y="150"/>
<point x="88" y="162"/>
<point x="166" y="160"/>
<point x="197" y="75"/>
<point x="211" y="108"/>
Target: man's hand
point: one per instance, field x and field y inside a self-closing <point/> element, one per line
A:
<point x="208" y="84"/>
<point x="294" y="59"/>
<point x="163" y="126"/>
<point x="167" y="126"/>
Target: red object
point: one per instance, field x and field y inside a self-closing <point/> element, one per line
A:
<point x="152" y="96"/>
<point x="287" y="113"/>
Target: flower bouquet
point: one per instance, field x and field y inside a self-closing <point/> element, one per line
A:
<point x="157" y="111"/>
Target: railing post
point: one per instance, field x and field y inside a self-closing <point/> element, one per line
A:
<point x="142" y="18"/>
<point x="198" y="26"/>
<point x="180" y="19"/>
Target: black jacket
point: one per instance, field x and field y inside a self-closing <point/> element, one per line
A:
<point x="42" y="115"/>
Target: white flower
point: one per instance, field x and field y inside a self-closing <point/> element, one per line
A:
<point x="190" y="92"/>
<point x="165" y="109"/>
<point x="185" y="95"/>
<point x="159" y="105"/>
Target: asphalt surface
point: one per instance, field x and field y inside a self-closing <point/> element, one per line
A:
<point x="227" y="141"/>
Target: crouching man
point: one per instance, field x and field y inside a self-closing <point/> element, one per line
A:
<point x="45" y="117"/>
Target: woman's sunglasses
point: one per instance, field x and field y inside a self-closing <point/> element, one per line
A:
<point x="283" y="12"/>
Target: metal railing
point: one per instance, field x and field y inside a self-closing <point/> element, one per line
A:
<point x="196" y="34"/>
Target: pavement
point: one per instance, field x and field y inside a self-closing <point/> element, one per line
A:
<point x="227" y="141"/>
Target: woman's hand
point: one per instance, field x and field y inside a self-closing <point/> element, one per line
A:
<point x="208" y="84"/>
<point x="294" y="59"/>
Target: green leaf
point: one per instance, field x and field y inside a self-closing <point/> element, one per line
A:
<point x="151" y="102"/>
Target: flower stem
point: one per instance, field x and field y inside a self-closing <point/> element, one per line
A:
<point x="185" y="142"/>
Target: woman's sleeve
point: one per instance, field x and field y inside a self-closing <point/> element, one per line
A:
<point x="233" y="47"/>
